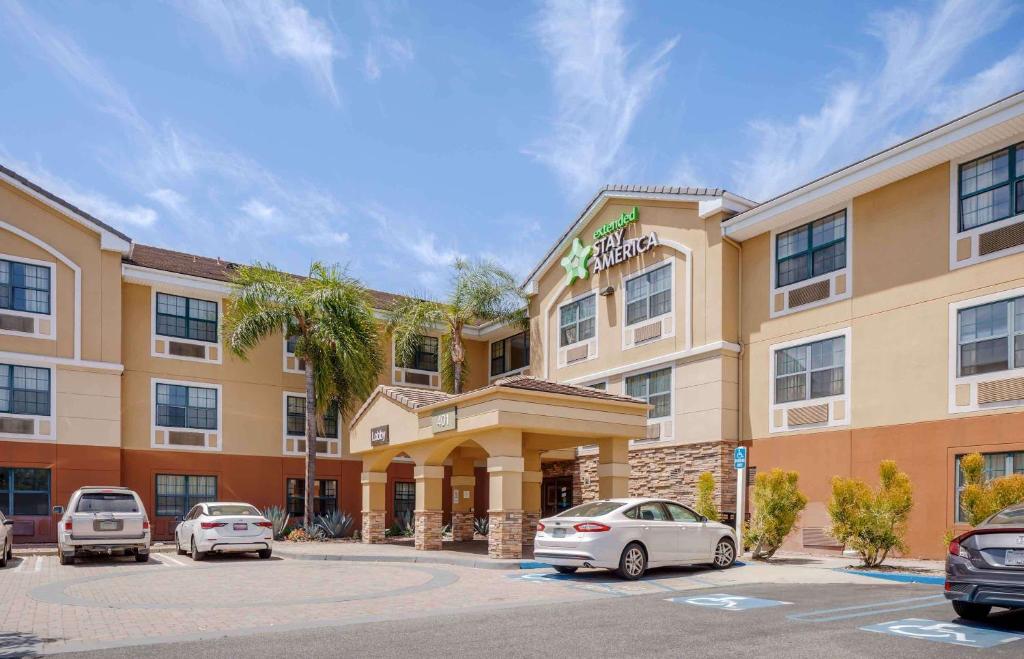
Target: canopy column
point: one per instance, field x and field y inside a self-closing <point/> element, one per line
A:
<point x="533" y="477"/>
<point x="463" y="496"/>
<point x="613" y="468"/>
<point x="429" y="511"/>
<point x="375" y="485"/>
<point x="505" y="526"/>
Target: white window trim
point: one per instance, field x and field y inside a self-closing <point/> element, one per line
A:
<point x="810" y="402"/>
<point x="153" y="428"/>
<point x="515" y="371"/>
<point x="661" y="441"/>
<point x="36" y="436"/>
<point x="596" y="339"/>
<point x="336" y="441"/>
<point x="286" y="356"/>
<point x="154" y="337"/>
<point x="830" y="276"/>
<point x="671" y="263"/>
<point x="955" y="234"/>
<point x="396" y="368"/>
<point x="973" y="380"/>
<point x="51" y="317"/>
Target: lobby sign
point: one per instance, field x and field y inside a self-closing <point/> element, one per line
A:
<point x="380" y="436"/>
<point x="443" y="420"/>
<point x="610" y="248"/>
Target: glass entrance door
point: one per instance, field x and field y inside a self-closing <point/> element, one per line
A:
<point x="557" y="495"/>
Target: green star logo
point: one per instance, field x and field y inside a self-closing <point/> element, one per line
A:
<point x="576" y="261"/>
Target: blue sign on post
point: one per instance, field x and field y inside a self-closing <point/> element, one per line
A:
<point x="739" y="457"/>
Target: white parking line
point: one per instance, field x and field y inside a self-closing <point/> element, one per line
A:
<point x="171" y="560"/>
<point x="39" y="564"/>
<point x="22" y="562"/>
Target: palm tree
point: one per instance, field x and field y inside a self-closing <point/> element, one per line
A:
<point x="338" y="339"/>
<point x="482" y="291"/>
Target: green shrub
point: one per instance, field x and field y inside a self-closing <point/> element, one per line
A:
<point x="981" y="500"/>
<point x="872" y="523"/>
<point x="335" y="525"/>
<point x="777" y="503"/>
<point x="705" y="504"/>
<point x="402" y="527"/>
<point x="481" y="525"/>
<point x="279" y="518"/>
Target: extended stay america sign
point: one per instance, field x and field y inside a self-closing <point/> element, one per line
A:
<point x="610" y="248"/>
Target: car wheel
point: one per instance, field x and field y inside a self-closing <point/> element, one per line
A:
<point x="65" y="559"/>
<point x="565" y="569"/>
<point x="10" y="551"/>
<point x="140" y="557"/>
<point x="196" y="554"/>
<point x="265" y="553"/>
<point x="970" y="610"/>
<point x="177" y="546"/>
<point x="725" y="554"/>
<point x="3" y="557"/>
<point x="633" y="562"/>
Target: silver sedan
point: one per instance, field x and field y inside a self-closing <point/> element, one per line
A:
<point x="631" y="535"/>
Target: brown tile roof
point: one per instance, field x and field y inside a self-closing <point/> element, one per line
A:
<point x="412" y="397"/>
<point x="158" y="258"/>
<point x="530" y="383"/>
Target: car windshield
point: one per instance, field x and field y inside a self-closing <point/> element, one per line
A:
<point x="1013" y="516"/>
<point x="592" y="509"/>
<point x="235" y="509"/>
<point x="107" y="502"/>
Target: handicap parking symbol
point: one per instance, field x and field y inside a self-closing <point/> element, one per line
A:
<point x="945" y="632"/>
<point x="726" y="602"/>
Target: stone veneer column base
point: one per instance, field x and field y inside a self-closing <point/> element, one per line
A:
<point x="505" y="534"/>
<point x="373" y="527"/>
<point x="428" y="530"/>
<point x="462" y="527"/>
<point x="530" y="521"/>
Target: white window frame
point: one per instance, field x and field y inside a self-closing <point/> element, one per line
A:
<point x="333" y="443"/>
<point x="830" y="276"/>
<point x="845" y="398"/>
<point x="515" y="371"/>
<point x="37" y="419"/>
<point x="153" y="428"/>
<point x="643" y="442"/>
<point x="627" y="329"/>
<point x="288" y="355"/>
<point x="401" y="369"/>
<point x="50" y="317"/>
<point x="972" y="381"/>
<point x="154" y="337"/>
<point x="596" y="339"/>
<point x="955" y="235"/>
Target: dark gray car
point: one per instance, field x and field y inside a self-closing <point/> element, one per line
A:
<point x="985" y="567"/>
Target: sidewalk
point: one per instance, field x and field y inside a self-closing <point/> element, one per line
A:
<point x="464" y="554"/>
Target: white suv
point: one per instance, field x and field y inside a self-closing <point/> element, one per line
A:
<point x="102" y="520"/>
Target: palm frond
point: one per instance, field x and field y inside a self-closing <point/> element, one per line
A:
<point x="262" y="302"/>
<point x="409" y="320"/>
<point x="484" y="291"/>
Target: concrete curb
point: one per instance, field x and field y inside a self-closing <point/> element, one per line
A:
<point x="899" y="577"/>
<point x="482" y="563"/>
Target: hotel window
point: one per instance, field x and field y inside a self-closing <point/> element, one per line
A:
<point x="425" y="357"/>
<point x="814" y="249"/>
<point x="24" y="491"/>
<point x="290" y="344"/>
<point x="813" y="370"/>
<point x="992" y="187"/>
<point x="649" y="295"/>
<point x="655" y="388"/>
<point x="186" y="318"/>
<point x="297" y="418"/>
<point x="24" y="287"/>
<point x="405" y="501"/>
<point x="175" y="495"/>
<point x="325" y="496"/>
<point x="24" y="390"/>
<point x="996" y="465"/>
<point x="990" y="337"/>
<point x="510" y="354"/>
<point x="178" y="406"/>
<point x="576" y="321"/>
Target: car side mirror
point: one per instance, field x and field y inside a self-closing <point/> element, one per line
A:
<point x="58" y="510"/>
<point x="703" y="519"/>
<point x="8" y="522"/>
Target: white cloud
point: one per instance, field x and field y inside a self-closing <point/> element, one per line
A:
<point x="283" y="28"/>
<point x="258" y="210"/>
<point x="998" y="81"/>
<point x="906" y="93"/>
<point x="172" y="200"/>
<point x="385" y="52"/>
<point x="599" y="90"/>
<point x="325" y="238"/>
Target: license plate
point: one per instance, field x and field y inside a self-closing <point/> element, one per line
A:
<point x="240" y="526"/>
<point x="108" y="526"/>
<point x="1014" y="557"/>
<point x="559" y="533"/>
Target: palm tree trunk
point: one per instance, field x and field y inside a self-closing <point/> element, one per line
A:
<point x="458" y="356"/>
<point x="307" y="517"/>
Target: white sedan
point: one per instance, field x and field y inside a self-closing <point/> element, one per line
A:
<point x="6" y="540"/>
<point x="631" y="535"/>
<point x="224" y="527"/>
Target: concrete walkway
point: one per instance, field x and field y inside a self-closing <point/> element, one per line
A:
<point x="464" y="554"/>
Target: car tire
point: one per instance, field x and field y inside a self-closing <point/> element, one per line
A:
<point x="633" y="562"/>
<point x="10" y="551"/>
<point x="177" y="546"/>
<point x="265" y="553"/>
<point x="3" y="557"/>
<point x="196" y="554"/>
<point x="725" y="554"/>
<point x="970" y="610"/>
<point x="65" y="559"/>
<point x="565" y="569"/>
<point x="140" y="557"/>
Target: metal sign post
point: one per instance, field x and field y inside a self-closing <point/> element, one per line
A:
<point x="739" y="459"/>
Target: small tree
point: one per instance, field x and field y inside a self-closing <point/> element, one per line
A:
<point x="979" y="499"/>
<point x="872" y="523"/>
<point x="777" y="503"/>
<point x="705" y="504"/>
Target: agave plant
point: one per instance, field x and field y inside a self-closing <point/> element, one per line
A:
<point x="314" y="532"/>
<point x="279" y="517"/>
<point x="481" y="525"/>
<point x="335" y="525"/>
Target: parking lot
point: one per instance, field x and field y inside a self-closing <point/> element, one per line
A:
<point x="228" y="605"/>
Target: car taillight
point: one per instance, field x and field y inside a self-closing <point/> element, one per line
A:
<point x="67" y="525"/>
<point x="540" y="527"/>
<point x="212" y="525"/>
<point x="956" y="547"/>
<point x="591" y="527"/>
<point x="266" y="525"/>
<point x="145" y="525"/>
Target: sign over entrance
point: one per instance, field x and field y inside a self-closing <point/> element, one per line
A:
<point x="380" y="435"/>
<point x="443" y="420"/>
<point x="610" y="248"/>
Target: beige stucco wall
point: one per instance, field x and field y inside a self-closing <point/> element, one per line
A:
<point x="88" y="407"/>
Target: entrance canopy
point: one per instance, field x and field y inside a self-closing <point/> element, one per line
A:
<point x="510" y="423"/>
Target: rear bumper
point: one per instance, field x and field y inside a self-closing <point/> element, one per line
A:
<point x="570" y="558"/>
<point x="1001" y="595"/>
<point x="227" y="546"/>
<point x="70" y="545"/>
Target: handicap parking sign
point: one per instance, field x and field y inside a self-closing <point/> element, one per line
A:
<point x="726" y="602"/>
<point x="739" y="457"/>
<point x="945" y="632"/>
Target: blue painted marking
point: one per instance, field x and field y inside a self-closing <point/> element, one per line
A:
<point x="902" y="578"/>
<point x="871" y="609"/>
<point x="726" y="602"/>
<point x="532" y="565"/>
<point x="945" y="632"/>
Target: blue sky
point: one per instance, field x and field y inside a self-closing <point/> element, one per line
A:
<point x="394" y="137"/>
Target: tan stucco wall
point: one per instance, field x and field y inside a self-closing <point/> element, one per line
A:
<point x="88" y="407"/>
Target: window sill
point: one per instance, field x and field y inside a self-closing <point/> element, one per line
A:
<point x="965" y="246"/>
<point x="789" y="299"/>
